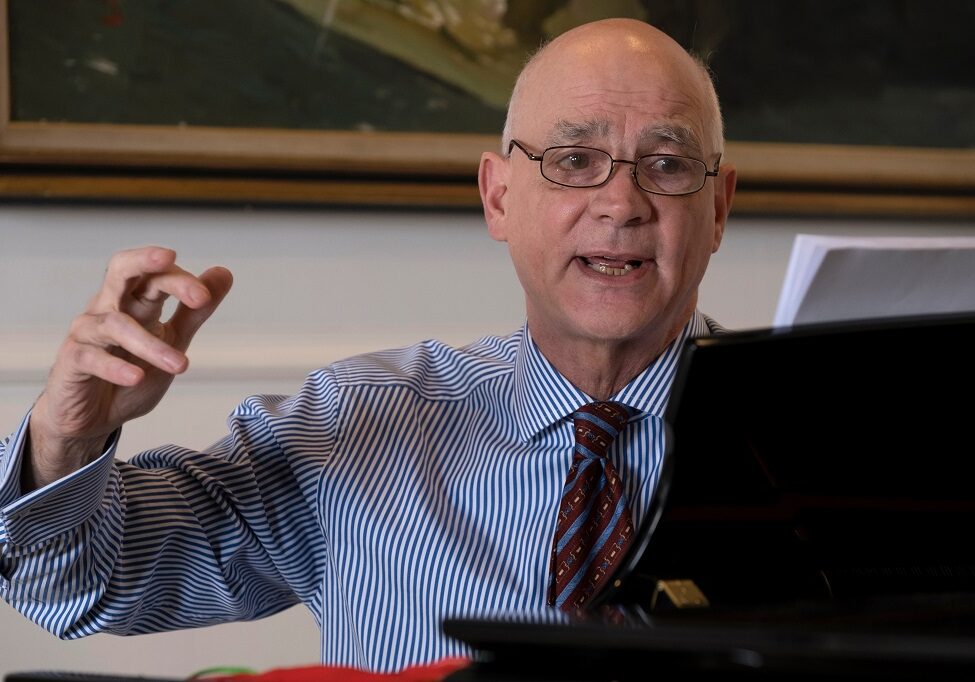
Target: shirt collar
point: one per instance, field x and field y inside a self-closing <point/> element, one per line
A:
<point x="543" y="397"/>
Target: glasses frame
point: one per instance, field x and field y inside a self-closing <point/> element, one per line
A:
<point x="612" y="167"/>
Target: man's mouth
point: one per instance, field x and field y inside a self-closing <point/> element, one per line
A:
<point x="611" y="266"/>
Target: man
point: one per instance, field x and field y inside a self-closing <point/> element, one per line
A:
<point x="400" y="488"/>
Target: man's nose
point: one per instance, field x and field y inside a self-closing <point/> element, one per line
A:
<point x="620" y="200"/>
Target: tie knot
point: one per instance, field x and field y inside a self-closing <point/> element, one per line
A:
<point x="597" y="425"/>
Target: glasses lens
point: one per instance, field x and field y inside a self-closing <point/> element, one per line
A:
<point x="665" y="174"/>
<point x="576" y="166"/>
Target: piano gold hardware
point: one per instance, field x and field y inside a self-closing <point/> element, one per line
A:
<point x="683" y="594"/>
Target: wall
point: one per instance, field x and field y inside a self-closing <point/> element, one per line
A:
<point x="311" y="286"/>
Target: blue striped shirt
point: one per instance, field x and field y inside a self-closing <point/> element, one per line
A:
<point x="392" y="491"/>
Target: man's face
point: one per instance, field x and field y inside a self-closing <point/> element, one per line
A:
<point x="608" y="264"/>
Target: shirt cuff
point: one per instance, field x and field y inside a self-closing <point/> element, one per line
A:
<point x="57" y="507"/>
<point x="11" y="456"/>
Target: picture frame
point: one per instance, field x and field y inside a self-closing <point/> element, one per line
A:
<point x="69" y="161"/>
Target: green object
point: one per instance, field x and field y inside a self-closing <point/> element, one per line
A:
<point x="220" y="671"/>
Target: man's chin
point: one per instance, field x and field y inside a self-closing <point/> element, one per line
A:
<point x="615" y="332"/>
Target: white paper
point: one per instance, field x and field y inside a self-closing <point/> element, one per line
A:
<point x="846" y="278"/>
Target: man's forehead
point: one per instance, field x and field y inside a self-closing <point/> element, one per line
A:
<point x="601" y="130"/>
<point x="577" y="131"/>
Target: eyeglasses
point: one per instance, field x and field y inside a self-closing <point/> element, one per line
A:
<point x="667" y="174"/>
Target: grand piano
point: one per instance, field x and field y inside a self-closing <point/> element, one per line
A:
<point x="814" y="519"/>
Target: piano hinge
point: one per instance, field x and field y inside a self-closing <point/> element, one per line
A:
<point x="682" y="594"/>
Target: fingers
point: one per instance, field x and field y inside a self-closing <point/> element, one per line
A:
<point x="126" y="268"/>
<point x="140" y="280"/>
<point x="119" y="358"/>
<point x="121" y="332"/>
<point x="94" y="342"/>
<point x="187" y="320"/>
<point x="81" y="362"/>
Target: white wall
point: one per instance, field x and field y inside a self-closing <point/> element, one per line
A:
<point x="311" y="286"/>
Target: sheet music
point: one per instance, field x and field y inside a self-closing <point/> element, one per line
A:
<point x="844" y="278"/>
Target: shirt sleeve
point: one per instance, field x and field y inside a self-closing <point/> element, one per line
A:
<point x="175" y="538"/>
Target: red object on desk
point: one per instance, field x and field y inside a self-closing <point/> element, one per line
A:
<point x="432" y="672"/>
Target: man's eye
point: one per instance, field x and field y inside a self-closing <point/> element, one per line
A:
<point x="669" y="165"/>
<point x="576" y="160"/>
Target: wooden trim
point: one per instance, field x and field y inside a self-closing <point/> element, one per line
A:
<point x="85" y="145"/>
<point x="458" y="193"/>
<point x="853" y="166"/>
<point x="66" y="186"/>
<point x="853" y="204"/>
<point x="4" y="72"/>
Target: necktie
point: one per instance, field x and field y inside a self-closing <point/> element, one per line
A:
<point x="594" y="525"/>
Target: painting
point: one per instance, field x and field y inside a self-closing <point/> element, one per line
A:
<point x="832" y="106"/>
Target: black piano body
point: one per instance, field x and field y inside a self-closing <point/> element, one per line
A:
<point x="814" y="518"/>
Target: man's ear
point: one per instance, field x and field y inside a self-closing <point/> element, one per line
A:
<point x="724" y="192"/>
<point x="492" y="181"/>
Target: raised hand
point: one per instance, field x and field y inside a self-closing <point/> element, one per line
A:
<point x="118" y="359"/>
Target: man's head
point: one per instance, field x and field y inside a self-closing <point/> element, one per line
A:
<point x="611" y="265"/>
<point x="715" y="123"/>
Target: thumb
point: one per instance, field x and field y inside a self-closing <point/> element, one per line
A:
<point x="186" y="321"/>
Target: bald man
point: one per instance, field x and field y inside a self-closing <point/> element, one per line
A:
<point x="400" y="488"/>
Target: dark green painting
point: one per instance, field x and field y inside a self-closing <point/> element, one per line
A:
<point x="877" y="72"/>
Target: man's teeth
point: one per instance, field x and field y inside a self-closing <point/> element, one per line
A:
<point x="605" y="269"/>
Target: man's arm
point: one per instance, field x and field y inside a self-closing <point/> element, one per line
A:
<point x="172" y="538"/>
<point x="175" y="538"/>
<point x="118" y="359"/>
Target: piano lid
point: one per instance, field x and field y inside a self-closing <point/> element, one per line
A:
<point x="826" y="463"/>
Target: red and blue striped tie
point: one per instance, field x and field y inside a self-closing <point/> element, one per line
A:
<point x="594" y="525"/>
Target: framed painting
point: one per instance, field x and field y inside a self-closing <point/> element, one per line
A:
<point x="830" y="107"/>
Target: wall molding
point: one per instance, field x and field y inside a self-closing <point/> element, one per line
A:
<point x="220" y="355"/>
